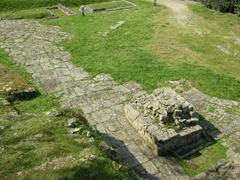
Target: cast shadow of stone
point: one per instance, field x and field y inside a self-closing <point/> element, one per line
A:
<point x="99" y="168"/>
<point x="208" y="137"/>
<point x="125" y="157"/>
<point x="209" y="128"/>
<point x="114" y="148"/>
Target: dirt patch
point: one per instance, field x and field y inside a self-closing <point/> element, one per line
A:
<point x="12" y="83"/>
<point x="179" y="9"/>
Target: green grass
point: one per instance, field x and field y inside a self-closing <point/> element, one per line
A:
<point x="8" y="63"/>
<point x="35" y="138"/>
<point x="8" y="5"/>
<point x="36" y="13"/>
<point x="148" y="49"/>
<point x="204" y="160"/>
<point x="63" y="155"/>
<point x="211" y="109"/>
<point x="110" y="5"/>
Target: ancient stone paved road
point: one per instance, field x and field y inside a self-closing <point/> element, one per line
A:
<point x="32" y="46"/>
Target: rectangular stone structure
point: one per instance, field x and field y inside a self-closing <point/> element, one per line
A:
<point x="161" y="138"/>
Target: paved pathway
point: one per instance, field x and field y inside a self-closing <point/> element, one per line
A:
<point x="32" y="46"/>
<point x="178" y="8"/>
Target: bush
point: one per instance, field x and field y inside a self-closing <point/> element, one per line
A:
<point x="237" y="9"/>
<point x="222" y="5"/>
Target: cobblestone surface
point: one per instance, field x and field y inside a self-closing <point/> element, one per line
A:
<point x="223" y="114"/>
<point x="32" y="46"/>
<point x="222" y="119"/>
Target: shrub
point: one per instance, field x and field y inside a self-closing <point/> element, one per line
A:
<point x="222" y="5"/>
<point x="237" y="9"/>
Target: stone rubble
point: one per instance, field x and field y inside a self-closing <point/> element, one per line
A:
<point x="164" y="119"/>
<point x="112" y="28"/>
<point x="166" y="106"/>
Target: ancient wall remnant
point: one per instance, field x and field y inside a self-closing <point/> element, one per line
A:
<point x="164" y="119"/>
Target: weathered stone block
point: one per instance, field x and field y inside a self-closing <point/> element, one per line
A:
<point x="164" y="119"/>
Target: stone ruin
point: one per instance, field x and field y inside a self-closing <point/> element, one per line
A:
<point x="85" y="9"/>
<point x="165" y="120"/>
<point x="166" y="106"/>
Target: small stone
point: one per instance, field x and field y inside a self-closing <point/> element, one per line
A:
<point x="57" y="113"/>
<point x="38" y="136"/>
<point x="219" y="164"/>
<point x="193" y="121"/>
<point x="91" y="140"/>
<point x="13" y="114"/>
<point x="200" y="176"/>
<point x="19" y="173"/>
<point x="71" y="123"/>
<point x="88" y="134"/>
<point x="82" y="160"/>
<point x="2" y="128"/>
<point x="6" y="102"/>
<point x="75" y="130"/>
<point x="174" y="83"/>
<point x="48" y="113"/>
<point x="1" y="149"/>
<point x="92" y="158"/>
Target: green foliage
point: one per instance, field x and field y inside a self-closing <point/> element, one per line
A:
<point x="6" y="5"/>
<point x="237" y="8"/>
<point x="221" y="5"/>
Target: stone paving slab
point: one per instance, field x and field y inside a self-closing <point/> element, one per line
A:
<point x="101" y="99"/>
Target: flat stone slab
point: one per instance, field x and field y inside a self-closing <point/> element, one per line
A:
<point x="164" y="119"/>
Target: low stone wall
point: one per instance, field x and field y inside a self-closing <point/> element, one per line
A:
<point x="66" y="10"/>
<point x="159" y="137"/>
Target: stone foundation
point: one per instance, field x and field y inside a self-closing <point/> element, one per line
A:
<point x="151" y="114"/>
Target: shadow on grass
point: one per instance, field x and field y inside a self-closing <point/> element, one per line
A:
<point x="209" y="128"/>
<point x="99" y="169"/>
<point x="126" y="157"/>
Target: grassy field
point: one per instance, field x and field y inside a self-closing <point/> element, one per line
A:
<point x="151" y="48"/>
<point x="110" y="5"/>
<point x="204" y="160"/>
<point x="37" y="145"/>
<point x="35" y="13"/>
<point x="7" y="5"/>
